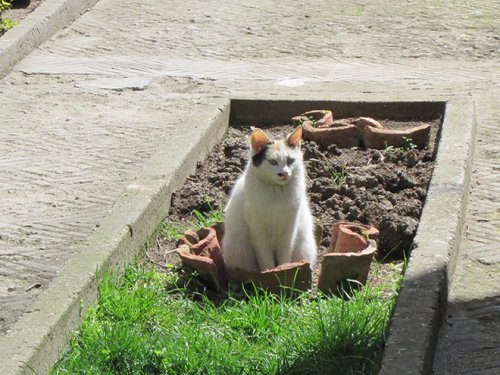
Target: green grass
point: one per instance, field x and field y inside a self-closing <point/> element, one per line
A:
<point x="5" y="24"/>
<point x="145" y="324"/>
<point x="204" y="219"/>
<point x="173" y="230"/>
<point x="337" y="175"/>
<point x="408" y="146"/>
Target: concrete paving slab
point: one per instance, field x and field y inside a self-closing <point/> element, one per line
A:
<point x="50" y="17"/>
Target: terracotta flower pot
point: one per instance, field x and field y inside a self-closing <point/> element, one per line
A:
<point x="344" y="133"/>
<point x="350" y="237"/>
<point x="350" y="255"/>
<point x="362" y="122"/>
<point x="318" y="118"/>
<point x="295" y="275"/>
<point x="381" y="138"/>
<point x="338" y="267"/>
<point x="342" y="136"/>
<point x="201" y="250"/>
<point x="318" y="126"/>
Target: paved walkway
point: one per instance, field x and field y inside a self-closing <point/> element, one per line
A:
<point x="84" y="113"/>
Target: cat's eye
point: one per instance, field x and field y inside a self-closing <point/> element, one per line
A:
<point x="273" y="162"/>
<point x="290" y="161"/>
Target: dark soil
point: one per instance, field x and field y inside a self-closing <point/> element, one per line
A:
<point x="382" y="188"/>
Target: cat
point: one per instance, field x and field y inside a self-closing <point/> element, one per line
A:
<point x="268" y="221"/>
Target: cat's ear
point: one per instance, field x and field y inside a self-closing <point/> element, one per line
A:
<point x="259" y="140"/>
<point x="294" y="138"/>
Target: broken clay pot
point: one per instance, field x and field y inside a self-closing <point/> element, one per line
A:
<point x="348" y="237"/>
<point x="350" y="256"/>
<point x="319" y="118"/>
<point x="338" y="267"/>
<point x="201" y="250"/>
<point x="344" y="133"/>
<point x="318" y="126"/>
<point x="363" y="122"/>
<point x="296" y="276"/>
<point x="381" y="138"/>
<point x="342" y="136"/>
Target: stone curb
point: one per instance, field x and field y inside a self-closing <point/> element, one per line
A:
<point x="422" y="300"/>
<point x="37" y="339"/>
<point x="50" y="17"/>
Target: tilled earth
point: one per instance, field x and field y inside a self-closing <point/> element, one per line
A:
<point x="382" y="188"/>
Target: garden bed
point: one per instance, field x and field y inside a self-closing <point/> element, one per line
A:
<point x="382" y="188"/>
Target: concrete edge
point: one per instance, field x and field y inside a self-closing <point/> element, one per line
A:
<point x="50" y="17"/>
<point x="38" y="338"/>
<point x="422" y="299"/>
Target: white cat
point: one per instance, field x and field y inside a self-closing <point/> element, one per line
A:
<point x="268" y="221"/>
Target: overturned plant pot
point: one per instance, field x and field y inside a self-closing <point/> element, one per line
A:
<point x="382" y="138"/>
<point x="201" y="250"/>
<point x="350" y="256"/>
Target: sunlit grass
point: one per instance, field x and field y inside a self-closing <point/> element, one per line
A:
<point x="145" y="324"/>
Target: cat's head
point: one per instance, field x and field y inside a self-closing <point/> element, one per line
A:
<point x="278" y="161"/>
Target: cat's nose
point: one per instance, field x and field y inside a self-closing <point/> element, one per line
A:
<point x="283" y="176"/>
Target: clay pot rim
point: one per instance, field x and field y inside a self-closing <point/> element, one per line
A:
<point x="403" y="132"/>
<point x="370" y="249"/>
<point x="323" y="117"/>
<point x="319" y="113"/>
<point x="282" y="267"/>
<point x="309" y="128"/>
<point x="184" y="251"/>
<point x="367" y="227"/>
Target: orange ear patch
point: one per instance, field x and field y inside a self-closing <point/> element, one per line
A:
<point x="259" y="140"/>
<point x="295" y="137"/>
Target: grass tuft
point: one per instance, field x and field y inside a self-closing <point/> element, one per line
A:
<point x="5" y="23"/>
<point x="173" y="230"/>
<point x="408" y="146"/>
<point x="338" y="176"/>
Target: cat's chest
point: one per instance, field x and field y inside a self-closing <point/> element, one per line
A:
<point x="271" y="202"/>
